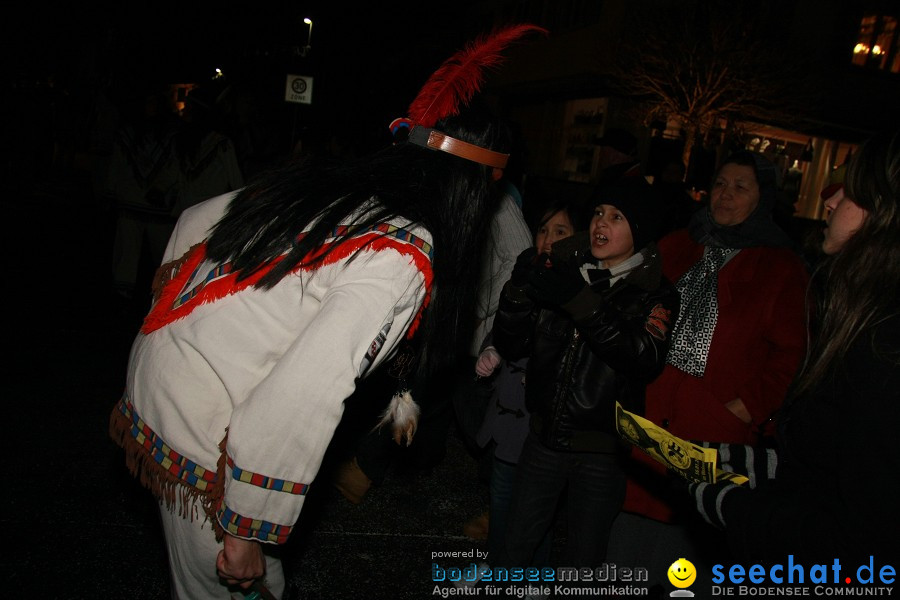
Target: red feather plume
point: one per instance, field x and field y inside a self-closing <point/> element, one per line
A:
<point x="460" y="77"/>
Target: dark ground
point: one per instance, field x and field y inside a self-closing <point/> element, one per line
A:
<point x="77" y="525"/>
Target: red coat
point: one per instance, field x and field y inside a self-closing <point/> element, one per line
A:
<point x="759" y="341"/>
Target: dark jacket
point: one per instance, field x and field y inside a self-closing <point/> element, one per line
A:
<point x="835" y="492"/>
<point x="597" y="349"/>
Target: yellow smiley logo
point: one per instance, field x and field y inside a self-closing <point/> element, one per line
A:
<point x="682" y="573"/>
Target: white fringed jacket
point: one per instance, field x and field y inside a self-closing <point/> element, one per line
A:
<point x="269" y="368"/>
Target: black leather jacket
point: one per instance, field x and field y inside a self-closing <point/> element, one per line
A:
<point x="597" y="349"/>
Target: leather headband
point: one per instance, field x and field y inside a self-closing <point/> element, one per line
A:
<point x="437" y="140"/>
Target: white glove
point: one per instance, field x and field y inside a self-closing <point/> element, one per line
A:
<point x="487" y="361"/>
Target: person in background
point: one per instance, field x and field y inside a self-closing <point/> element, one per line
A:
<point x="593" y="318"/>
<point x="618" y="156"/>
<point x="469" y="397"/>
<point x="737" y="343"/>
<point x="142" y="182"/>
<point x="829" y="490"/>
<point x="207" y="160"/>
<point x="678" y="206"/>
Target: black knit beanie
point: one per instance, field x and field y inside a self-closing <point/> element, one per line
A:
<point x="634" y="198"/>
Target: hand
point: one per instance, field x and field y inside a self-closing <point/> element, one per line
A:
<point x="524" y="264"/>
<point x="240" y="562"/>
<point x="709" y="498"/>
<point x="758" y="464"/>
<point x="739" y="409"/>
<point x="556" y="284"/>
<point x="487" y="361"/>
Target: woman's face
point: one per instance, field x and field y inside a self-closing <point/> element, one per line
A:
<point x="553" y="229"/>
<point x="611" y="240"/>
<point x="844" y="219"/>
<point x="734" y="195"/>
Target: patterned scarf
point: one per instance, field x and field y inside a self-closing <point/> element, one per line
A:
<point x="693" y="332"/>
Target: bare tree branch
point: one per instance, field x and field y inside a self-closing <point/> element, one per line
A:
<point x="704" y="62"/>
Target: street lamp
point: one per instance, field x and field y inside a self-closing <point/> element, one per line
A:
<point x="308" y="21"/>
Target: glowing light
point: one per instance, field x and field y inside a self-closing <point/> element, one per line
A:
<point x="309" y="22"/>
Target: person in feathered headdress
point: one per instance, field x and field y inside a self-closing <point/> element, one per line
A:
<point x="277" y="299"/>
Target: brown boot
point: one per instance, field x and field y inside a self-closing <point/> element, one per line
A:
<point x="351" y="481"/>
<point x="477" y="528"/>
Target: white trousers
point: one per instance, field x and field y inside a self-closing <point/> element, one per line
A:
<point x="193" y="549"/>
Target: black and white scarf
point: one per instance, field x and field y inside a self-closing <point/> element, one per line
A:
<point x="693" y="331"/>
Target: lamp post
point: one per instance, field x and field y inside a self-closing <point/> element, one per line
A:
<point x="309" y="22"/>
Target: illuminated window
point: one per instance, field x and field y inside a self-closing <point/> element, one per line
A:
<point x="877" y="46"/>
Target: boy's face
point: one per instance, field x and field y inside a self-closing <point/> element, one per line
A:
<point x="611" y="240"/>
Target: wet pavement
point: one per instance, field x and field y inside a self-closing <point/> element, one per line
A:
<point x="78" y="526"/>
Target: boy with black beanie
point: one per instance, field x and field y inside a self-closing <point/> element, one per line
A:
<point x="593" y="317"/>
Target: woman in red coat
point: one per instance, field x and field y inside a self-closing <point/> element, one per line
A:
<point x="737" y="344"/>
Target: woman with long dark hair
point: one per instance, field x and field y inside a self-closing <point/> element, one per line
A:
<point x="278" y="300"/>
<point x="830" y="491"/>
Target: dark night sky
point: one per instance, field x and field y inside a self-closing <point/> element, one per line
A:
<point x="367" y="59"/>
<point x="186" y="40"/>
